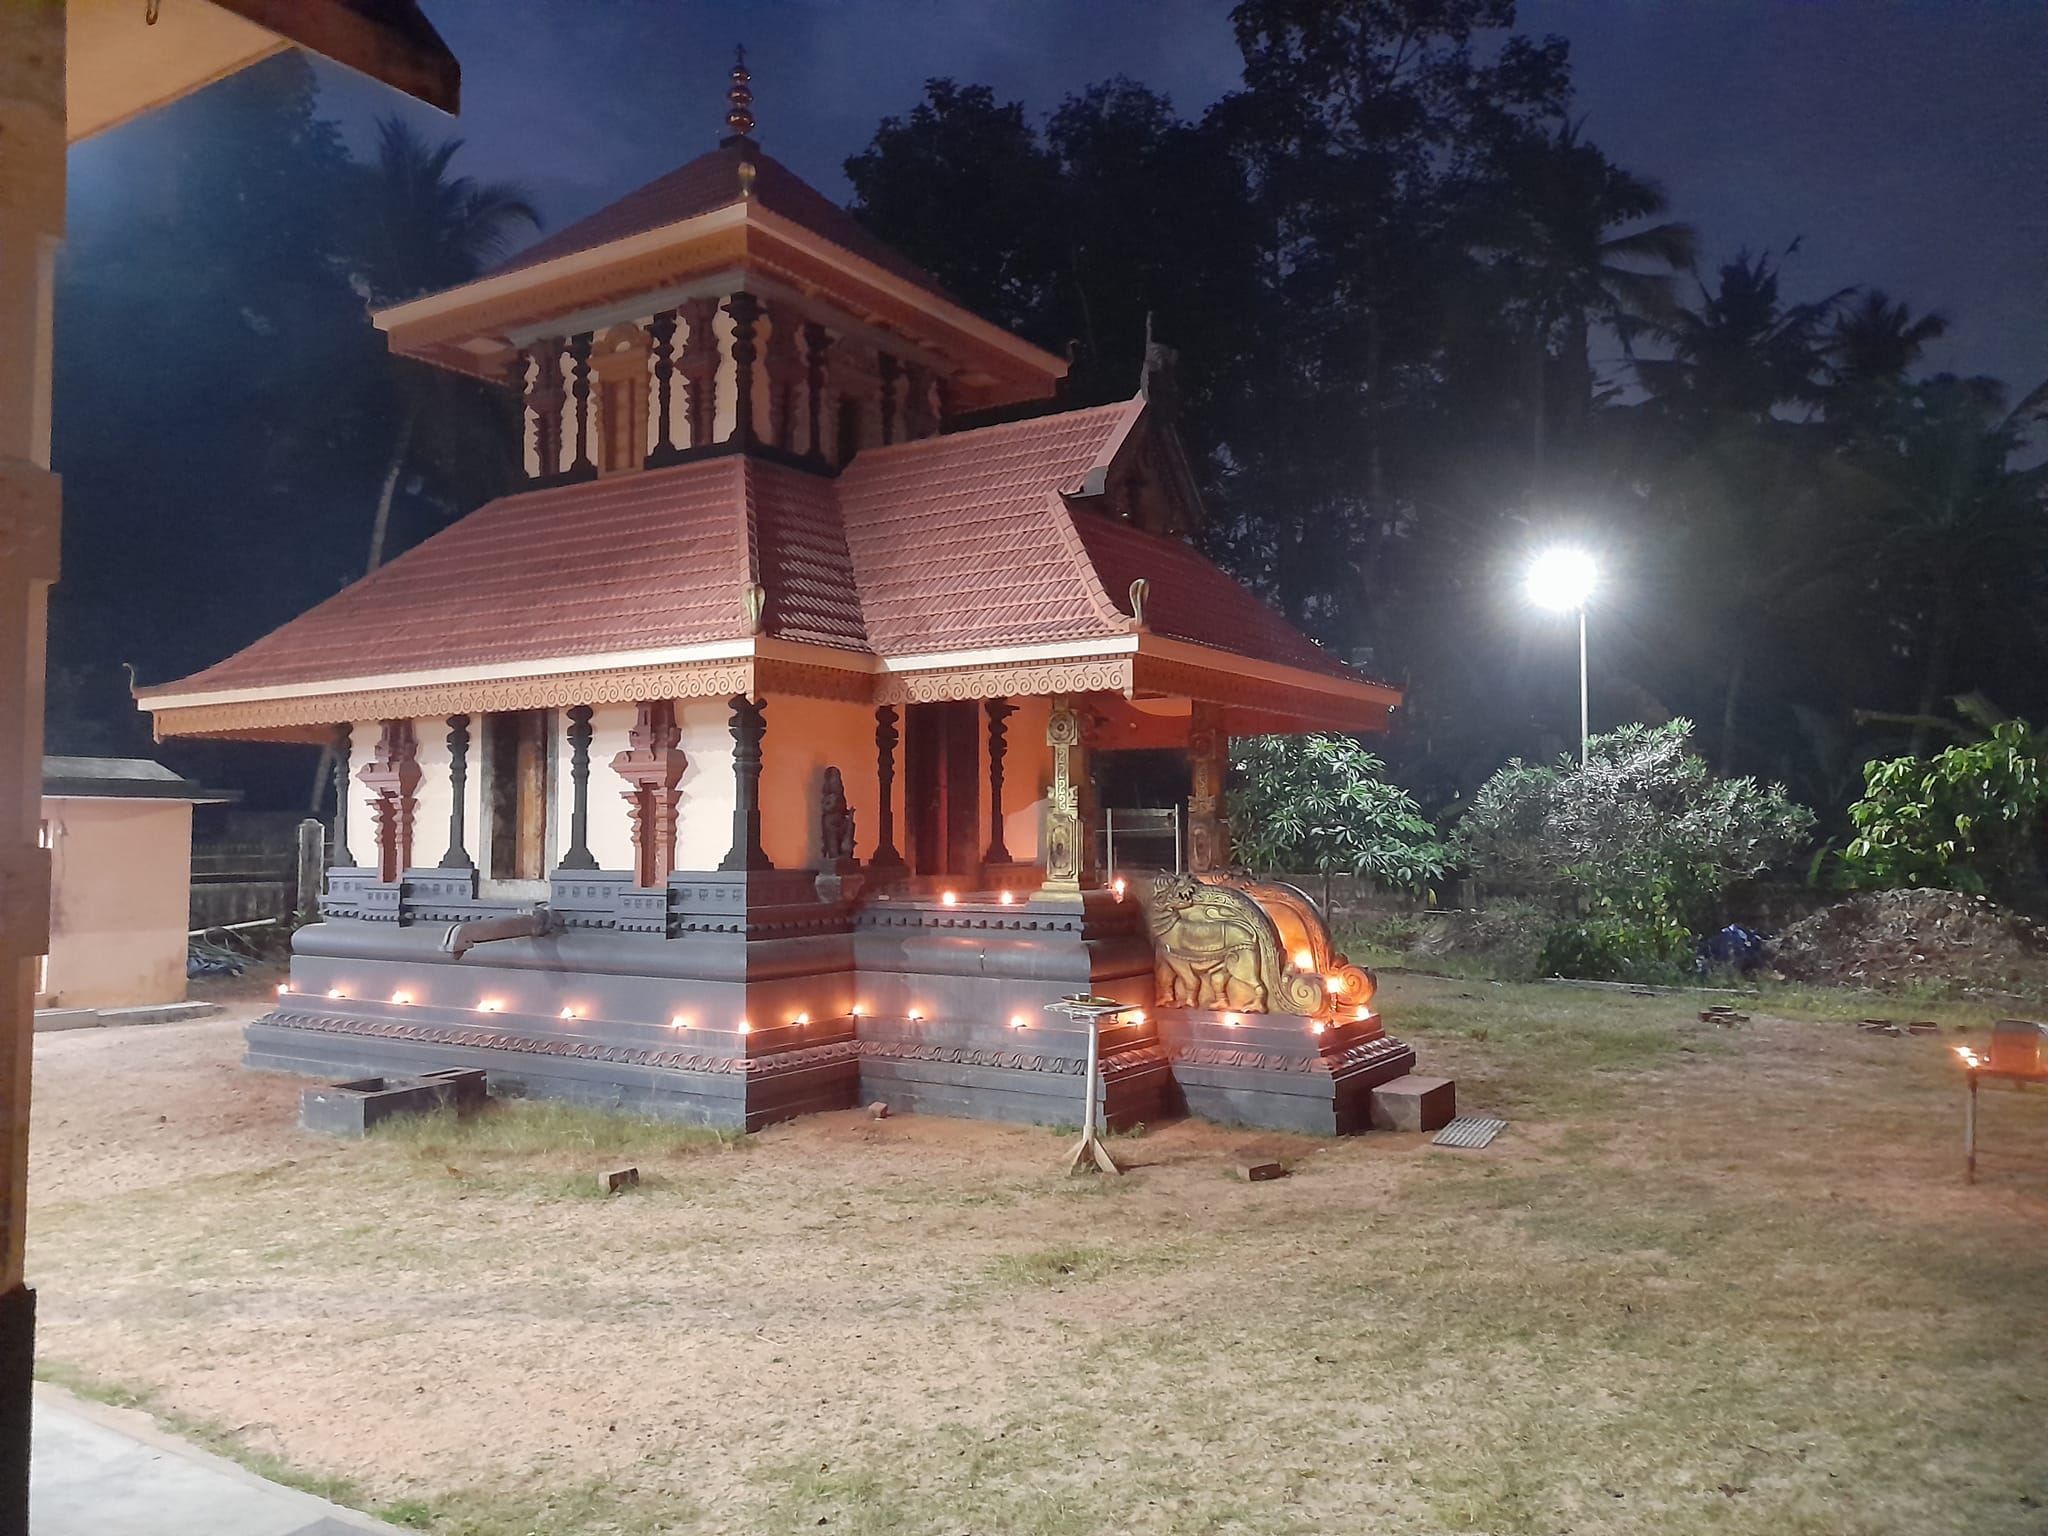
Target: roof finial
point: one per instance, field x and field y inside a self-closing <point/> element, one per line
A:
<point x="740" y="115"/>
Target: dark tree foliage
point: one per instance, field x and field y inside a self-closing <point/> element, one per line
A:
<point x="1428" y="323"/>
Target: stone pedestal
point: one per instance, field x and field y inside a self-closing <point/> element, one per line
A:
<point x="1414" y="1103"/>
<point x="1277" y="1072"/>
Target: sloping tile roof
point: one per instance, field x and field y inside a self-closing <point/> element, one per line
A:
<point x="659" y="558"/>
<point x="713" y="181"/>
<point x="1189" y="599"/>
<point x="964" y="542"/>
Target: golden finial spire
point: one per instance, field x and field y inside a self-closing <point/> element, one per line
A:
<point x="739" y="116"/>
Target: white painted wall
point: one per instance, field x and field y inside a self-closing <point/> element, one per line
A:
<point x="611" y="825"/>
<point x="704" y="811"/>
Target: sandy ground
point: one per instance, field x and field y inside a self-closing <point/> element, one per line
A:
<point x="918" y="1324"/>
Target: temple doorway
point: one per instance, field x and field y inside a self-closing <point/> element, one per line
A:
<point x="942" y="787"/>
<point x="516" y="794"/>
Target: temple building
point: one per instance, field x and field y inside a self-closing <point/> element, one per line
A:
<point x="740" y="764"/>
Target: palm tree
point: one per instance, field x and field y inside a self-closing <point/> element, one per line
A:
<point x="1568" y="251"/>
<point x="1951" y="519"/>
<point x="424" y="230"/>
<point x="1744" y="353"/>
<point x="1877" y="339"/>
<point x="420" y="230"/>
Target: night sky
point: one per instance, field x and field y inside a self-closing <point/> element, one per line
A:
<point x="1905" y="146"/>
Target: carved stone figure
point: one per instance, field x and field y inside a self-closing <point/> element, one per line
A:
<point x="1216" y="947"/>
<point x="835" y="821"/>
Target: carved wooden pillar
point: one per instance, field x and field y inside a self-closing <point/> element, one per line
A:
<point x="579" y="364"/>
<point x="815" y="344"/>
<point x="579" y="855"/>
<point x="393" y="776"/>
<point x="1208" y="760"/>
<point x="338" y="856"/>
<point x="887" y="371"/>
<point x="1063" y="830"/>
<point x="783" y="382"/>
<point x="749" y="725"/>
<point x="547" y="400"/>
<point x="886" y="737"/>
<point x="1084" y="793"/>
<point x="745" y="310"/>
<point x="661" y="335"/>
<point x="999" y="712"/>
<point x="919" y="419"/>
<point x="457" y="856"/>
<point x="652" y="767"/>
<point x="700" y="369"/>
<point x="942" y="391"/>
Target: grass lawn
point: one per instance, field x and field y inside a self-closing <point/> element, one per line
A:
<point x="1712" y="1280"/>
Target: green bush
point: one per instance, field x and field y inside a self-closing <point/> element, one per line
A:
<point x="1319" y="804"/>
<point x="1639" y="949"/>
<point x="1968" y="819"/>
<point x="1642" y="831"/>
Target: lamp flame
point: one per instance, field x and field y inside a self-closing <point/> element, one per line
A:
<point x="1969" y="1057"/>
<point x="950" y="899"/>
<point x="401" y="998"/>
<point x="490" y="1005"/>
<point x="1304" y="961"/>
<point x="1007" y="899"/>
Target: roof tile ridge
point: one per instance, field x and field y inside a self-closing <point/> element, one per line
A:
<point x="1063" y="513"/>
<point x="1133" y="411"/>
<point x="1017" y="427"/>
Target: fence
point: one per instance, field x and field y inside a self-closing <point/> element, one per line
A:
<point x="246" y="865"/>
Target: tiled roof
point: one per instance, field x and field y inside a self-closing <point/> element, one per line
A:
<point x="963" y="542"/>
<point x="659" y="558"/>
<point x="1187" y="598"/>
<point x="713" y="181"/>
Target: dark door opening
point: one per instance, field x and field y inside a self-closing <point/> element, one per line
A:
<point x="942" y="787"/>
<point x="518" y="796"/>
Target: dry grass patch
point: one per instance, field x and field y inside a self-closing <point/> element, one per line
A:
<point x="1711" y="1281"/>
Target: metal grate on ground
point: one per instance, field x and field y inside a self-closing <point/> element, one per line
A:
<point x="1469" y="1131"/>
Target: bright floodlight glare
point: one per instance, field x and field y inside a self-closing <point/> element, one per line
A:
<point x="1561" y="579"/>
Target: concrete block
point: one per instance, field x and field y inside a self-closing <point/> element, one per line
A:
<point x="616" y="1179"/>
<point x="48" y="1019"/>
<point x="350" y="1109"/>
<point x="1258" y="1173"/>
<point x="1414" y="1103"/>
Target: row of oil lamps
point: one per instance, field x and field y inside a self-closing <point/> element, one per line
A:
<point x="801" y="1020"/>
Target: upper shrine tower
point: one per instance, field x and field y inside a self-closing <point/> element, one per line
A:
<point x="723" y="307"/>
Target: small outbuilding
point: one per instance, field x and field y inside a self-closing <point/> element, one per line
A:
<point x="119" y="831"/>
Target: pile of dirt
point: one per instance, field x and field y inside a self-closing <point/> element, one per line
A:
<point x="1942" y="939"/>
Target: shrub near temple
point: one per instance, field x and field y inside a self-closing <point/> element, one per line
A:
<point x="1641" y="840"/>
<point x="1318" y="804"/>
<point x="1967" y="819"/>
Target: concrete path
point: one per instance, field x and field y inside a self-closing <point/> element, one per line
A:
<point x="100" y="1471"/>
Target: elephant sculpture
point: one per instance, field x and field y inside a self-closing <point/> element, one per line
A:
<point x="1215" y="947"/>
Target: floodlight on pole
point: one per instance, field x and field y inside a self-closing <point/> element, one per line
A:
<point x="1562" y="580"/>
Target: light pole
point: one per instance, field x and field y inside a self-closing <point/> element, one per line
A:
<point x="1562" y="580"/>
